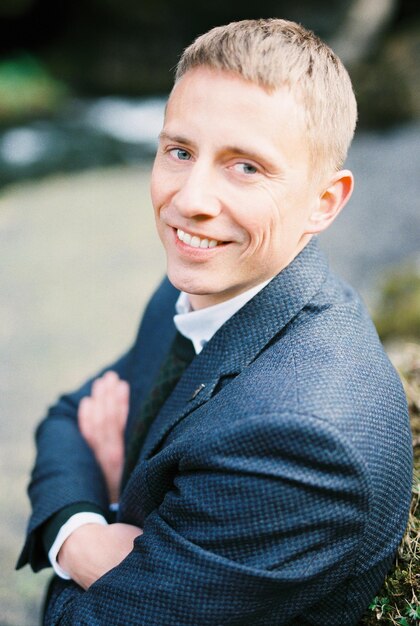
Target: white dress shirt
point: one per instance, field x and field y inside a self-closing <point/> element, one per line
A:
<point x="199" y="326"/>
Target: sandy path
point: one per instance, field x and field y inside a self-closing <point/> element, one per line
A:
<point x="79" y="259"/>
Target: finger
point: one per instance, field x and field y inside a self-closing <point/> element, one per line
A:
<point x="123" y="396"/>
<point x="123" y="391"/>
<point x="108" y="391"/>
<point x="92" y="414"/>
<point x="117" y="401"/>
<point x="98" y="388"/>
<point x="110" y="379"/>
<point x="85" y="408"/>
<point x="110" y="404"/>
<point x="85" y="416"/>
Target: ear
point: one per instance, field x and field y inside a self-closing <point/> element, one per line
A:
<point x="331" y="200"/>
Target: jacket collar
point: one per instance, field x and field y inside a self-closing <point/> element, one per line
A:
<point x="239" y="341"/>
<point x="200" y="325"/>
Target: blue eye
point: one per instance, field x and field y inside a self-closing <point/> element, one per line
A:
<point x="246" y="168"/>
<point x="249" y="169"/>
<point x="180" y="154"/>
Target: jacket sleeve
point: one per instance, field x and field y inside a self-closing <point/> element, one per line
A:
<point x="257" y="523"/>
<point x="65" y="471"/>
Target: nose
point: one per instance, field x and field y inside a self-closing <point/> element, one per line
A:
<point x="196" y="195"/>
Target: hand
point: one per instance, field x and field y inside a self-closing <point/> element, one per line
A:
<point x="92" y="550"/>
<point x="102" y="418"/>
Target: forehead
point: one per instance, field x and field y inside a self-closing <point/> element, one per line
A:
<point x="217" y="108"/>
<point x="221" y="95"/>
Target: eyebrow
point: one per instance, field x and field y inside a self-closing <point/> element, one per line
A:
<point x="163" y="135"/>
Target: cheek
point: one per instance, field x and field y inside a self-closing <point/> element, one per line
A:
<point x="154" y="191"/>
<point x="159" y="183"/>
<point x="260" y="236"/>
<point x="163" y="189"/>
<point x="263" y="220"/>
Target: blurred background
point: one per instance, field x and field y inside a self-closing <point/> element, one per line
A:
<point x="83" y="85"/>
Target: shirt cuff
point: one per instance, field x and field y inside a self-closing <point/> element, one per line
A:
<point x="74" y="522"/>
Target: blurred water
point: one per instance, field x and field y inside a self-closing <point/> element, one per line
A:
<point x="85" y="134"/>
<point x="379" y="227"/>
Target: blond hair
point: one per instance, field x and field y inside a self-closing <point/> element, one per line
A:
<point x="274" y="53"/>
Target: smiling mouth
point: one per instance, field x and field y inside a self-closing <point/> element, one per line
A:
<point x="196" y="242"/>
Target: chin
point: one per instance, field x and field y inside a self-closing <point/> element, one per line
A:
<point x="190" y="284"/>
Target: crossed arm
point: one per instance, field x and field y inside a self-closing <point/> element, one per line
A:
<point x="227" y="537"/>
<point x="92" y="549"/>
<point x="238" y="539"/>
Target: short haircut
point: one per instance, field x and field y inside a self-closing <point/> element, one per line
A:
<point x="274" y="53"/>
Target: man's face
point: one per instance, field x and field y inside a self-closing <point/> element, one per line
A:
<point x="231" y="186"/>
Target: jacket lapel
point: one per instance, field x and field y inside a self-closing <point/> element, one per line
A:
<point x="239" y="341"/>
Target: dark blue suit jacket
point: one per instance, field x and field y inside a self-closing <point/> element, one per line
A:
<point x="276" y="495"/>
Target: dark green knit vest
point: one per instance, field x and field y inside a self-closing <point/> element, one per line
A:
<point x="180" y="355"/>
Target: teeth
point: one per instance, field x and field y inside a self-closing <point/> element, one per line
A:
<point x="194" y="241"/>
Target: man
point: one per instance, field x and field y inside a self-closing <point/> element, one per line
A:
<point x="267" y="460"/>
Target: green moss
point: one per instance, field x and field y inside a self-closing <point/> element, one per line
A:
<point x="398" y="310"/>
<point x="398" y="601"/>
<point x="27" y="89"/>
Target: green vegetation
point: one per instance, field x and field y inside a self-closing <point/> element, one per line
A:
<point x="398" y="602"/>
<point x="27" y="89"/>
<point x="398" y="310"/>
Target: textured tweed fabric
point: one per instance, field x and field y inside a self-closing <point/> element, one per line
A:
<point x="275" y="495"/>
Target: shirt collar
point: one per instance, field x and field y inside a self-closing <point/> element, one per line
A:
<point x="200" y="326"/>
